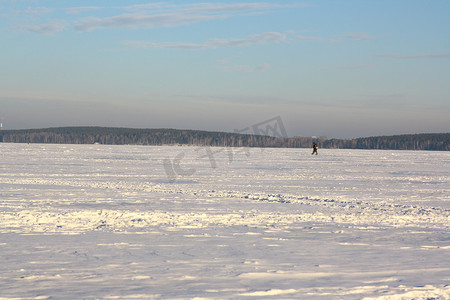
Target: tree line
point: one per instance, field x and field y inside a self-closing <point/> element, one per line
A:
<point x="124" y="136"/>
<point x="426" y="141"/>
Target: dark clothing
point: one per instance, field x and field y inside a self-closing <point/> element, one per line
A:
<point x="314" y="149"/>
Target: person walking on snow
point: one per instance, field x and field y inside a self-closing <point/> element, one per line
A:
<point x="314" y="148"/>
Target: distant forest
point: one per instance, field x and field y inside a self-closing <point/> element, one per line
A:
<point x="129" y="136"/>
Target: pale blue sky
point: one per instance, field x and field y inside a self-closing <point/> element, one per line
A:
<point x="334" y="68"/>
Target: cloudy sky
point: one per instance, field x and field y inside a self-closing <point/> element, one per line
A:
<point x="336" y="68"/>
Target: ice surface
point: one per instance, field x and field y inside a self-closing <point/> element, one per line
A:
<point x="140" y="222"/>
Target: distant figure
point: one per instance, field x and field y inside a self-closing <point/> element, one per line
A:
<point x="314" y="149"/>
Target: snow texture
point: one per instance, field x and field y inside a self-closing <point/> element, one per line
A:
<point x="170" y="222"/>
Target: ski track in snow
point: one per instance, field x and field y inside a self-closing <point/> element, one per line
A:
<point x="109" y="222"/>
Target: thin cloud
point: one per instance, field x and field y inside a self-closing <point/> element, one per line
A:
<point x="186" y="46"/>
<point x="49" y="28"/>
<point x="165" y="15"/>
<point x="419" y="56"/>
<point x="212" y="7"/>
<point x="32" y="11"/>
<point x="267" y="37"/>
<point x="359" y="36"/>
<point x="136" y="21"/>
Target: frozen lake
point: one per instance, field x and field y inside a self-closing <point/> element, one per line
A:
<point x="141" y="222"/>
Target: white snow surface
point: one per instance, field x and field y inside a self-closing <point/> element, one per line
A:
<point x="171" y="222"/>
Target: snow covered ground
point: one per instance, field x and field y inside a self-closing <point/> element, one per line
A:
<point x="127" y="222"/>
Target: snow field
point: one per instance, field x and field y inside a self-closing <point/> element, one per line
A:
<point x="127" y="222"/>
